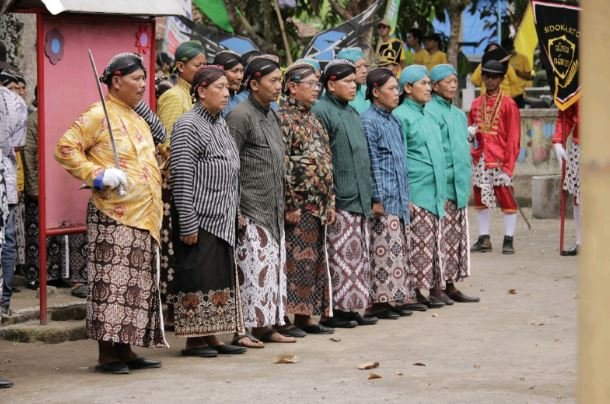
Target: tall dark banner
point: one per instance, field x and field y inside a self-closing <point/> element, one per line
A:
<point x="558" y="37"/>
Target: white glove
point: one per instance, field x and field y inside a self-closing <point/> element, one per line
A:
<point x="472" y="131"/>
<point x="506" y="179"/>
<point x="113" y="177"/>
<point x="560" y="153"/>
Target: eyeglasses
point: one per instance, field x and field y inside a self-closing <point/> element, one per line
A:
<point x="310" y="84"/>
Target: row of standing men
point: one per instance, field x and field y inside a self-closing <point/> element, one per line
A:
<point x="312" y="210"/>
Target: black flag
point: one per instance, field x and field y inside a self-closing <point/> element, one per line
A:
<point x="558" y="36"/>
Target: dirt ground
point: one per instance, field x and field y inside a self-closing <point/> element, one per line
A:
<point x="510" y="348"/>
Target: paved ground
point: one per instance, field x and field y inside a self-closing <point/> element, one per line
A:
<point x="510" y="348"/>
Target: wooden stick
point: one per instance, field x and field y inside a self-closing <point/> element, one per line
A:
<point x="283" y="31"/>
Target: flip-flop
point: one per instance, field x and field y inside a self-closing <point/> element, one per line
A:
<point x="256" y="343"/>
<point x="268" y="337"/>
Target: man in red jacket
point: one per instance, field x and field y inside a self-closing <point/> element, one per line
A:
<point x="567" y="122"/>
<point x="495" y="122"/>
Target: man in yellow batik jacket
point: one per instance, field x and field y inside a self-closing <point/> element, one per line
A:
<point x="123" y="306"/>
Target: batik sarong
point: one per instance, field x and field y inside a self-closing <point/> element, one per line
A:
<point x="348" y="259"/>
<point x="425" y="254"/>
<point x="56" y="250"/>
<point x="391" y="281"/>
<point x="123" y="305"/>
<point x="455" y="243"/>
<point x="307" y="273"/>
<point x="262" y="275"/>
<point x="571" y="182"/>
<point x="204" y="290"/>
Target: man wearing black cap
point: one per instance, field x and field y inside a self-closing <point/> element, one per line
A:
<point x="260" y="252"/>
<point x="494" y="118"/>
<point x="123" y="218"/>
<point x="234" y="71"/>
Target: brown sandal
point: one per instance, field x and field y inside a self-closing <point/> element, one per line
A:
<point x="254" y="342"/>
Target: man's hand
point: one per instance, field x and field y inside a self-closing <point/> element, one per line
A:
<point x="331" y="216"/>
<point x="378" y="210"/>
<point x="190" y="239"/>
<point x="560" y="153"/>
<point x="293" y="216"/>
<point x="113" y="177"/>
<point x="505" y="179"/>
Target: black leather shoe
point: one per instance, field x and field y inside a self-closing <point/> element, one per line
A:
<point x="483" y="244"/>
<point x="291" y="331"/>
<point x="507" y="245"/>
<point x="414" y="307"/>
<point x="226" y="349"/>
<point x="336" y="322"/>
<point x="430" y="303"/>
<point x="317" y="329"/>
<point x="201" y="352"/>
<point x="364" y="320"/>
<point x="442" y="297"/>
<point x="386" y="314"/>
<point x="459" y="297"/>
<point x="113" y="368"/>
<point x="400" y="311"/>
<point x="143" y="363"/>
<point x="5" y="384"/>
<point x="570" y="252"/>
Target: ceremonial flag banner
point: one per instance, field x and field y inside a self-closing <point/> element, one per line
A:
<point x="391" y="13"/>
<point x="558" y="36"/>
<point x="175" y="31"/>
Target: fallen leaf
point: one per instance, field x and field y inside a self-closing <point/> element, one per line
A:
<point x="434" y="315"/>
<point x="374" y="376"/>
<point x="335" y="339"/>
<point x="368" y="365"/>
<point x="399" y="373"/>
<point x="512" y="291"/>
<point x="531" y="387"/>
<point x="419" y="364"/>
<point x="477" y="366"/>
<point x="287" y="359"/>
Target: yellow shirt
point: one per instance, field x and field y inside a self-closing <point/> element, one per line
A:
<point x="85" y="151"/>
<point x="421" y="57"/>
<point x="510" y="85"/>
<point x="520" y="62"/>
<point x="436" y="58"/>
<point x="170" y="106"/>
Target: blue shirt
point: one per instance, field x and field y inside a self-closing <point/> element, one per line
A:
<point x="234" y="99"/>
<point x="388" y="162"/>
<point x="243" y="95"/>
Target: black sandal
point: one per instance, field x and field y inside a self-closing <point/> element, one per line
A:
<point x="238" y="338"/>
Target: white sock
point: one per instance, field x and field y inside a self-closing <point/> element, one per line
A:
<point x="510" y="222"/>
<point x="484" y="216"/>
<point x="576" y="210"/>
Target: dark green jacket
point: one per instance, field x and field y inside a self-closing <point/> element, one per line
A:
<point x="351" y="164"/>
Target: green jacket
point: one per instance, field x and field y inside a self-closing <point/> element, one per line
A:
<point x="351" y="164"/>
<point x="425" y="157"/>
<point x="360" y="103"/>
<point x="454" y="130"/>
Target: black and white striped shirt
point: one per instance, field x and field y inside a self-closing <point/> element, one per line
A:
<point x="260" y="142"/>
<point x="204" y="169"/>
<point x="156" y="127"/>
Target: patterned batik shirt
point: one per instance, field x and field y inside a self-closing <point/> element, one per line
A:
<point x="309" y="178"/>
<point x="85" y="151"/>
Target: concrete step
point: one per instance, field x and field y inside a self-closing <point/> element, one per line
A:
<point x="52" y="333"/>
<point x="56" y="312"/>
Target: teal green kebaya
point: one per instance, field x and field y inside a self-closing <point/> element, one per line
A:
<point x="454" y="131"/>
<point x="425" y="157"/>
<point x="360" y="103"/>
<point x="351" y="163"/>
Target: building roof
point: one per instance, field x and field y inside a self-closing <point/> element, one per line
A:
<point x="131" y="7"/>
